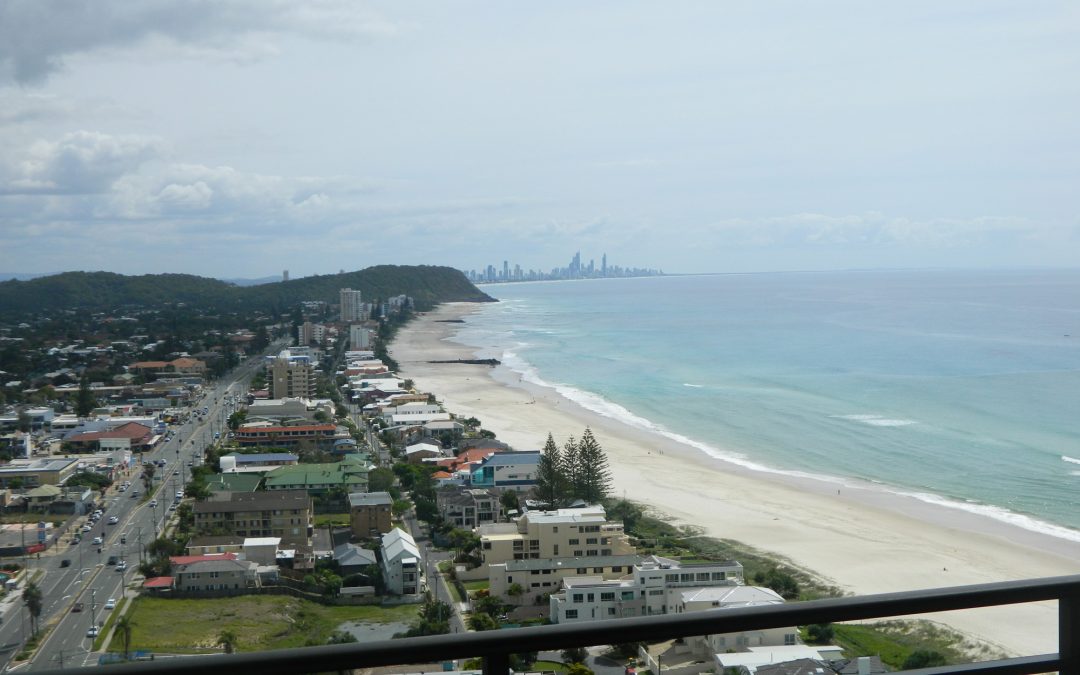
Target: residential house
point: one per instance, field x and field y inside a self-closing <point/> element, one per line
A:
<point x="402" y="564"/>
<point x="418" y="452"/>
<point x="211" y="576"/>
<point x="352" y="559"/>
<point x="369" y="513"/>
<point x="467" y="508"/>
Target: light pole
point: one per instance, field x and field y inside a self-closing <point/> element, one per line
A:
<point x="93" y="606"/>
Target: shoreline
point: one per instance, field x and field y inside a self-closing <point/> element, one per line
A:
<point x="865" y="539"/>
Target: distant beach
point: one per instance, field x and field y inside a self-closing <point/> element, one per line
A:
<point x="863" y="539"/>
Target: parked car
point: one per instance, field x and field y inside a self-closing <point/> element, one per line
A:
<point x="98" y="541"/>
<point x="92" y="632"/>
<point x="113" y="520"/>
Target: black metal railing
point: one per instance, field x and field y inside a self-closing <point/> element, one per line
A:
<point x="495" y="647"/>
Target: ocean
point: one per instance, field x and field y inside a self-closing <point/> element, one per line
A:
<point x="961" y="388"/>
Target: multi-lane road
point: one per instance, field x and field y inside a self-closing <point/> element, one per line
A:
<point x="75" y="596"/>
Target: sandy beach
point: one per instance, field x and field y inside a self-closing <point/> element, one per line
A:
<point x="858" y="537"/>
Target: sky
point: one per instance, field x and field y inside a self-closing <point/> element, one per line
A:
<point x="246" y="137"/>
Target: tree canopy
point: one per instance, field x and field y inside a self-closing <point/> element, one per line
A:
<point x="579" y="471"/>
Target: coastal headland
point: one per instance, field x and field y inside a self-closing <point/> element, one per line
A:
<point x="859" y="537"/>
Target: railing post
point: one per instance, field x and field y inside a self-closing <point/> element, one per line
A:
<point x="496" y="664"/>
<point x="1069" y="631"/>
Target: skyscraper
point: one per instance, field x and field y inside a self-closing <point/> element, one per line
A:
<point x="352" y="306"/>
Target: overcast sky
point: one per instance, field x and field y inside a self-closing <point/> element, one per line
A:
<point x="239" y="139"/>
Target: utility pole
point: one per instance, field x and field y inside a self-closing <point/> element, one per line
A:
<point x="93" y="606"/>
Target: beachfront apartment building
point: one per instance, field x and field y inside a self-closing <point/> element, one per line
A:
<point x="655" y="585"/>
<point x="414" y="413"/>
<point x="562" y="533"/>
<point x="540" y="577"/>
<point x="507" y="471"/>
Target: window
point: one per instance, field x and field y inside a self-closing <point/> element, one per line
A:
<point x="658" y="591"/>
<point x="574" y="542"/>
<point x="671" y="578"/>
<point x="591" y="540"/>
<point x="607" y="597"/>
<point x="579" y="598"/>
<point x="555" y="550"/>
<point x="571" y="614"/>
<point x="789" y="638"/>
<point x="583" y="570"/>
<point x="611" y="611"/>
<point x="577" y="553"/>
<point x="718" y="576"/>
<point x="627" y="595"/>
<point x="592" y="597"/>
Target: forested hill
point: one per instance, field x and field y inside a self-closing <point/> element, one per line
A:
<point x="103" y="291"/>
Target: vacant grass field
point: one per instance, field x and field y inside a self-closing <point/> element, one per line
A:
<point x="337" y="519"/>
<point x="259" y="622"/>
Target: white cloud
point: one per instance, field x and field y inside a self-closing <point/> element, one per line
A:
<point x="82" y="162"/>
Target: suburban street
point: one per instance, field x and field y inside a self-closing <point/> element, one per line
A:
<point x="89" y="580"/>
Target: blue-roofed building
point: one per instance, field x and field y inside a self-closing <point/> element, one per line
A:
<point x="508" y="471"/>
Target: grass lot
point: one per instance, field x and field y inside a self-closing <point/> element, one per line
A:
<point x="324" y="519"/>
<point x="259" y="621"/>
<point x="478" y="585"/>
<point x="549" y="665"/>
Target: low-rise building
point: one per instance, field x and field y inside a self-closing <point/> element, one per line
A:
<point x="369" y="513"/>
<point x="38" y="472"/>
<point x="467" y="508"/>
<point x="403" y="568"/>
<point x="539" y="578"/>
<point x="349" y="474"/>
<point x="655" y="586"/>
<point x="575" y="533"/>
<point x="273" y="436"/>
<point x="507" y="471"/>
<point x="210" y="576"/>
<point x="284" y="513"/>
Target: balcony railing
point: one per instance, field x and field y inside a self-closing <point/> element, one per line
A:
<point x="495" y="647"/>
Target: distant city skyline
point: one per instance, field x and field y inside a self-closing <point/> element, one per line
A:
<point x="158" y="136"/>
<point x="574" y="270"/>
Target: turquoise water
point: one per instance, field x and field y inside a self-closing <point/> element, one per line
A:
<point x="960" y="387"/>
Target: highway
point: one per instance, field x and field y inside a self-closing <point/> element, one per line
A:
<point x="89" y="580"/>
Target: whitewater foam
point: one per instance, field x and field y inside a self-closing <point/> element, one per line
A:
<point x="1072" y="460"/>
<point x="598" y="404"/>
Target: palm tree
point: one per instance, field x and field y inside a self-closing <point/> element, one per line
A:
<point x="123" y="626"/>
<point x="32" y="597"/>
<point x="227" y="639"/>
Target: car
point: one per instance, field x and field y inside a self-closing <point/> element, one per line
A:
<point x="65" y="562"/>
<point x="92" y="632"/>
<point x="113" y="520"/>
<point x="123" y="539"/>
<point x="153" y="503"/>
<point x="134" y="494"/>
<point x="113" y="559"/>
<point x="121" y="566"/>
<point x="179" y="495"/>
<point x="110" y="603"/>
<point x="86" y="528"/>
<point x="172" y="507"/>
<point x="98" y="541"/>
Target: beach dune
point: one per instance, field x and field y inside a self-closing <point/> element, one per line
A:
<point x="858" y="537"/>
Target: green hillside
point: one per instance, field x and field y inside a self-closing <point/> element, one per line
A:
<point x="104" y="291"/>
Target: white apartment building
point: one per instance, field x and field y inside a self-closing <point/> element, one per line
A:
<point x="413" y="414"/>
<point x="360" y="337"/>
<point x="562" y="533"/>
<point x="655" y="586"/>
